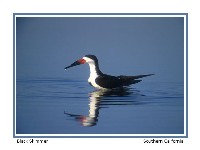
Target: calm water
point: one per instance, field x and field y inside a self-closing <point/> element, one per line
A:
<point x="64" y="106"/>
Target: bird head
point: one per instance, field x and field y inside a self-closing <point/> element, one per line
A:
<point x="86" y="59"/>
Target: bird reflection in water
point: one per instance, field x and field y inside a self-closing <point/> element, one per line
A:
<point x="103" y="99"/>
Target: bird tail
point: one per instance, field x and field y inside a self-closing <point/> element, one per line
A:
<point x="140" y="76"/>
<point x="128" y="80"/>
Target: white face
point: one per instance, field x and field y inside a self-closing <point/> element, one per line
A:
<point x="88" y="60"/>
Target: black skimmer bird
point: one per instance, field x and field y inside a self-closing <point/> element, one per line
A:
<point x="100" y="80"/>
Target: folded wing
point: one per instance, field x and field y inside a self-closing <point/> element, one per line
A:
<point x="111" y="82"/>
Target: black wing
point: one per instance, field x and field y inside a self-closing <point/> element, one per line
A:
<point x="128" y="80"/>
<point x="110" y="82"/>
<point x="138" y="76"/>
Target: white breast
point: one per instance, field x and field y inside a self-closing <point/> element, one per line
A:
<point x="93" y="76"/>
<point x="91" y="80"/>
<point x="93" y="73"/>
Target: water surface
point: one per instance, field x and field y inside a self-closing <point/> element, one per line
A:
<point x="66" y="106"/>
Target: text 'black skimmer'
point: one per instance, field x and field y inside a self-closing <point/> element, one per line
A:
<point x="100" y="80"/>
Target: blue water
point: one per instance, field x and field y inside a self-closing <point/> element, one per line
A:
<point x="66" y="106"/>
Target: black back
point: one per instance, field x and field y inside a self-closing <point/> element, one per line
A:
<point x="110" y="82"/>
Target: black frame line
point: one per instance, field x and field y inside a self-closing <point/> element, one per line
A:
<point x="101" y="136"/>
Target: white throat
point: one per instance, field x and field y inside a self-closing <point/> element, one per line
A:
<point x="93" y="73"/>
